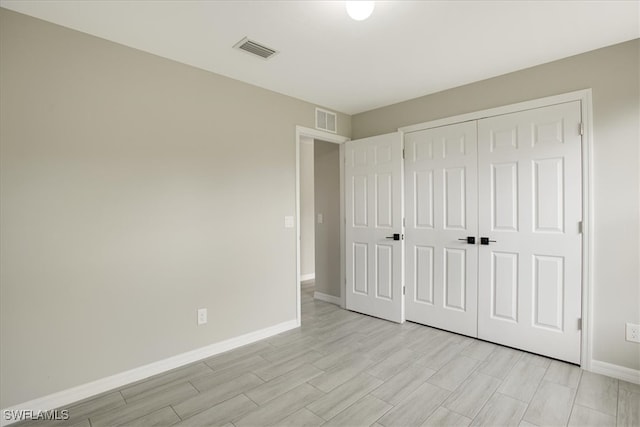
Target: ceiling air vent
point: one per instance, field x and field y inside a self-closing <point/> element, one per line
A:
<point x="326" y="120"/>
<point x="255" y="48"/>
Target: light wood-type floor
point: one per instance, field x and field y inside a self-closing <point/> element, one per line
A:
<point x="345" y="369"/>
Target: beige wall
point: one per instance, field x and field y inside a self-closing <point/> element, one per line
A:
<point x="612" y="73"/>
<point x="327" y="203"/>
<point x="134" y="190"/>
<point x="307" y="212"/>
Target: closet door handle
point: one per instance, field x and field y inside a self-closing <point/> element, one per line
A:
<point x="469" y="239"/>
<point x="485" y="241"/>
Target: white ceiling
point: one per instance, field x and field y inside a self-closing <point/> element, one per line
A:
<point x="404" y="50"/>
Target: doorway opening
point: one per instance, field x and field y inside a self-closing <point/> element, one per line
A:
<point x="320" y="219"/>
<point x="319" y="206"/>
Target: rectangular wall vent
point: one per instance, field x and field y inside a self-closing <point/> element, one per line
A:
<point x="326" y="120"/>
<point x="255" y="48"/>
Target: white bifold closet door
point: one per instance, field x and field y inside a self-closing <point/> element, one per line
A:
<point x="530" y="188"/>
<point x="373" y="229"/>
<point x="512" y="186"/>
<point x="441" y="212"/>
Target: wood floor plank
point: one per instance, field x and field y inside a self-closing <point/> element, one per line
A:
<point x="393" y="364"/>
<point x="337" y="340"/>
<point x="416" y="408"/>
<point x="222" y="360"/>
<point x="450" y="349"/>
<point x="454" y="373"/>
<point x="500" y="410"/>
<point x="417" y="334"/>
<point x="340" y="356"/>
<point x="142" y="407"/>
<point x="94" y="407"/>
<point x="385" y="348"/>
<point x="563" y="373"/>
<point x="274" y="370"/>
<point x="362" y="413"/>
<point x="222" y="413"/>
<point x="479" y="350"/>
<point x="155" y="390"/>
<point x="431" y="340"/>
<point x="370" y="342"/>
<point x="293" y="337"/>
<point x="598" y="392"/>
<point x="469" y="398"/>
<point x="341" y="397"/>
<point x="340" y="374"/>
<point x="628" y="407"/>
<point x="340" y="324"/>
<point x="213" y="396"/>
<point x="401" y="385"/>
<point x="301" y="418"/>
<point x="625" y="385"/>
<point x="582" y="416"/>
<point x="522" y="381"/>
<point x="500" y="362"/>
<point x="54" y="423"/>
<point x="217" y="378"/>
<point x="443" y="417"/>
<point x="536" y="360"/>
<point x="186" y="373"/>
<point x="286" y="352"/>
<point x="551" y="405"/>
<point x="282" y="384"/>
<point x="280" y="407"/>
<point x="162" y="417"/>
<point x="244" y="361"/>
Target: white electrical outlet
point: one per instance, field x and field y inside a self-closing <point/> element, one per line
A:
<point x="202" y="316"/>
<point x="633" y="332"/>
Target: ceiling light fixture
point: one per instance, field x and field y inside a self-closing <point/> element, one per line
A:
<point x="360" y="10"/>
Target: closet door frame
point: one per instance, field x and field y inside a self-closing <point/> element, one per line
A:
<point x="585" y="98"/>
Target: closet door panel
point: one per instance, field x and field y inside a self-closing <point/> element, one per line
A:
<point x="441" y="211"/>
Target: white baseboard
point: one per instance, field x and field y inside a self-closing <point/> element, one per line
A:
<point x="616" y="371"/>
<point x="84" y="391"/>
<point x="327" y="298"/>
<point x="305" y="277"/>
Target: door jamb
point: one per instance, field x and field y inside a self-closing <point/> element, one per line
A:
<point x="302" y="131"/>
<point x="585" y="98"/>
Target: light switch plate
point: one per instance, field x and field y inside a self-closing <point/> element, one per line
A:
<point x="202" y="316"/>
<point x="320" y="218"/>
<point x="288" y="222"/>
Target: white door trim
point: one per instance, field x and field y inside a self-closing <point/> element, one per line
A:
<point x="302" y="131"/>
<point x="585" y="98"/>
